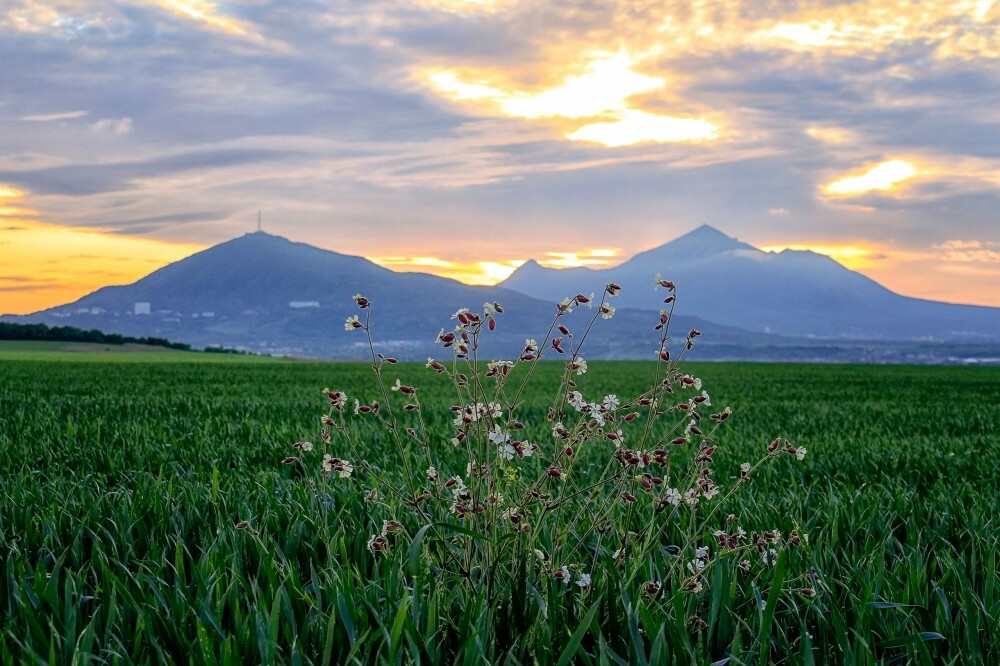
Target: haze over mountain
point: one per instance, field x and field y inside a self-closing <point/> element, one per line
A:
<point x="267" y="294"/>
<point x="791" y="293"/>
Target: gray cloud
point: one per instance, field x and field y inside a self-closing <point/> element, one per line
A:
<point x="317" y="117"/>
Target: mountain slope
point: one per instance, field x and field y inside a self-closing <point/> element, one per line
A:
<point x="795" y="293"/>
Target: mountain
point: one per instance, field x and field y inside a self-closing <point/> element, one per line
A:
<point x="267" y="294"/>
<point x="790" y="293"/>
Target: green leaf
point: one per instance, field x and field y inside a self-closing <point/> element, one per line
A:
<point x="922" y="637"/>
<point x="574" y="641"/>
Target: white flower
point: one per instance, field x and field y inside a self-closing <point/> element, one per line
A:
<point x="459" y="488"/>
<point x="530" y="345"/>
<point x="745" y="468"/>
<point x="341" y="467"/>
<point x="455" y="441"/>
<point x="800" y="452"/>
<point x="527" y="450"/>
<point x="697" y="383"/>
<point x="607" y="311"/>
<point x="595" y="411"/>
<point x="507" y="451"/>
<point x="673" y="496"/>
<point x="306" y="446"/>
<point x="488" y="310"/>
<point x="708" y="400"/>
<point x="701" y="553"/>
<point x="352" y="323"/>
<point x="579" y="366"/>
<point x="611" y="402"/>
<point x="566" y="305"/>
<point x="710" y="492"/>
<point x="460" y="312"/>
<point x="691" y="497"/>
<point x="616" y="554"/>
<point x="583" y="581"/>
<point x="575" y="398"/>
<point x="494" y="410"/>
<point x="396" y="386"/>
<point x="694" y="566"/>
<point x="566" y="574"/>
<point x="498" y="435"/>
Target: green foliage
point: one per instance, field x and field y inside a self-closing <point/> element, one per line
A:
<point x="123" y="488"/>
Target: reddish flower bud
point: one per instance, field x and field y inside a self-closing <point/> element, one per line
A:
<point x="289" y="460"/>
<point x="563" y="330"/>
<point x="553" y="472"/>
<point x="493" y="324"/>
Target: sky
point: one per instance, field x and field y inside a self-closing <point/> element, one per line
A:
<point x="462" y="137"/>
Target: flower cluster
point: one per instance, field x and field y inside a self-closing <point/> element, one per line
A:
<point x="629" y="478"/>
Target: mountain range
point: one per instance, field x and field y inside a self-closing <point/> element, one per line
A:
<point x="789" y="293"/>
<point x="264" y="293"/>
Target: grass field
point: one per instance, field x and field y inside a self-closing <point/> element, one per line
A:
<point x="121" y="484"/>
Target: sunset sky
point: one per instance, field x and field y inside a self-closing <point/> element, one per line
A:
<point x="461" y="137"/>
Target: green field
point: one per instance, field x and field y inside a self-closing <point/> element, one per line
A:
<point x="121" y="485"/>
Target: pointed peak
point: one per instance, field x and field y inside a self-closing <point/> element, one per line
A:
<point x="705" y="231"/>
<point x="703" y="241"/>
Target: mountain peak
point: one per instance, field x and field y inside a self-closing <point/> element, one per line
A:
<point x="703" y="241"/>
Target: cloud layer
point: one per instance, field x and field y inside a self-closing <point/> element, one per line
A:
<point x="462" y="137"/>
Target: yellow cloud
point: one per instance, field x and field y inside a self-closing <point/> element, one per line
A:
<point x="601" y="93"/>
<point x="881" y="177"/>
<point x="633" y="127"/>
<point x="205" y="12"/>
<point x="605" y="85"/>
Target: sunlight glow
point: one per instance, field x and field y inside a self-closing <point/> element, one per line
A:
<point x="852" y="256"/>
<point x="45" y="265"/>
<point x="882" y="177"/>
<point x="476" y="273"/>
<point x="607" y="82"/>
<point x="592" y="257"/>
<point x="633" y="127"/>
<point x="601" y="93"/>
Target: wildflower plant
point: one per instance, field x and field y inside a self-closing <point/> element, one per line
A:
<point x="601" y="492"/>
